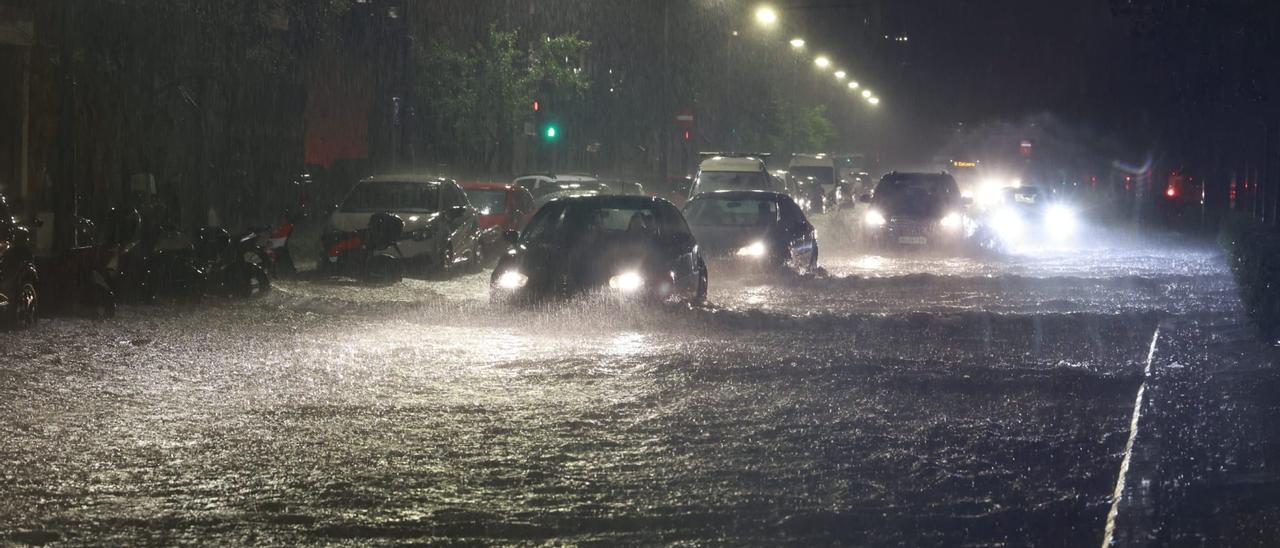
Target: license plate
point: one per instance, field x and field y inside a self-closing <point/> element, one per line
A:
<point x="913" y="240"/>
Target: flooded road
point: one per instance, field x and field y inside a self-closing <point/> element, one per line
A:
<point x="984" y="400"/>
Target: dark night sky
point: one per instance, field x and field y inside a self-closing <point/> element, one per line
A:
<point x="974" y="61"/>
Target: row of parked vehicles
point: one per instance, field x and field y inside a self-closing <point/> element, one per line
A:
<point x="560" y="235"/>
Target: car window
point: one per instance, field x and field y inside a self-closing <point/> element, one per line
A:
<point x="376" y="196"/>
<point x="594" y="221"/>
<point x="545" y="227"/>
<point x="718" y="211"/>
<point x="488" y="201"/>
<point x="524" y="201"/>
<point x="670" y="220"/>
<point x="817" y="174"/>
<point x="931" y="186"/>
<point x="711" y="181"/>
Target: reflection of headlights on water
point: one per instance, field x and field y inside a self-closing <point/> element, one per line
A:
<point x="754" y="250"/>
<point x="951" y="222"/>
<point x="1007" y="224"/>
<point x="1060" y="220"/>
<point x="627" y="282"/>
<point x="512" y="280"/>
<point x="874" y="219"/>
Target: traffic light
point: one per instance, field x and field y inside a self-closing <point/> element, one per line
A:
<point x="536" y="105"/>
<point x="551" y="132"/>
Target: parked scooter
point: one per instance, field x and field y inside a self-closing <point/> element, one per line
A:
<point x="225" y="266"/>
<point x="371" y="254"/>
<point x="274" y="241"/>
<point x="76" y="280"/>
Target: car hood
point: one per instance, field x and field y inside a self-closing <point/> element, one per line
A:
<point x="588" y="266"/>
<point x="350" y="222"/>
<point x="914" y="208"/>
<point x="720" y="240"/>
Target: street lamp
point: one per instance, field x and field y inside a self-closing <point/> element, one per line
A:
<point x="853" y="85"/>
<point x="797" y="43"/>
<point x="840" y="74"/>
<point x="874" y="100"/>
<point x="822" y="61"/>
<point x="866" y="94"/>
<point x="766" y="16"/>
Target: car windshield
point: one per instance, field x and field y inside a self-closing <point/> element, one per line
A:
<point x="711" y="181"/>
<point x="719" y="211"/>
<point x="376" y="196"/>
<point x="614" y="220"/>
<point x="920" y="187"/>
<point x="488" y="201"/>
<point x="817" y="174"/>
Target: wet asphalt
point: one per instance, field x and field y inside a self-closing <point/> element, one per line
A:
<point x="973" y="399"/>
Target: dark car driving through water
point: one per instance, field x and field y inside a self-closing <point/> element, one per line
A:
<point x="916" y="210"/>
<point x="630" y="247"/>
<point x="753" y="227"/>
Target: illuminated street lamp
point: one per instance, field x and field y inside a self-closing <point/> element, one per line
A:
<point x="873" y="100"/>
<point x="766" y="16"/>
<point x="822" y="61"/>
<point x="797" y="43"/>
<point x="840" y="74"/>
<point x="853" y="85"/>
<point x="866" y="94"/>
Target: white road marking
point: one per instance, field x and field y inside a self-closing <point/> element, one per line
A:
<point x="1109" y="534"/>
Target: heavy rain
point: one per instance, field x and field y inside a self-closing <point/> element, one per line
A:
<point x="639" y="272"/>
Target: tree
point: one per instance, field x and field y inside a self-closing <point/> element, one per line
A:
<point x="476" y="98"/>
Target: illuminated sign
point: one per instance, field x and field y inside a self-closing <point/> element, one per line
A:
<point x="963" y="163"/>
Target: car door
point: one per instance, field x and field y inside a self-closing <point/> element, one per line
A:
<point x="681" y="245"/>
<point x="461" y="220"/>
<point x="799" y="232"/>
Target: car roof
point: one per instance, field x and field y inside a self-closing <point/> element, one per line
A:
<point x="486" y="185"/>
<point x="740" y="195"/>
<point x="608" y="200"/>
<point x="407" y="178"/>
<point x="732" y="163"/>
<point x="812" y="160"/>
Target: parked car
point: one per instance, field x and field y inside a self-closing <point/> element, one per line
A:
<point x="629" y="247"/>
<point x="541" y="184"/>
<point x="501" y="207"/>
<point x="724" y="171"/>
<point x="917" y="210"/>
<point x="19" y="278"/>
<point x="753" y="227"/>
<point x="441" y="230"/>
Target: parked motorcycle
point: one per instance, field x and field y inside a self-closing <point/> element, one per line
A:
<point x="75" y="280"/>
<point x="225" y="265"/>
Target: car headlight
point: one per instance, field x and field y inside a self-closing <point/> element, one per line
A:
<point x="874" y="219"/>
<point x="1060" y="220"/>
<point x="627" y="282"/>
<point x="756" y="249"/>
<point x="511" y="280"/>
<point x="951" y="221"/>
<point x="1007" y="224"/>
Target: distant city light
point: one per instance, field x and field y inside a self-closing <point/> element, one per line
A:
<point x="766" y="16"/>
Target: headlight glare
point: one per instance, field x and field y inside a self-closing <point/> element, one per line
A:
<point x="627" y="282"/>
<point x="756" y="249"/>
<point x="875" y="219"/>
<point x="951" y="221"/>
<point x="511" y="280"/>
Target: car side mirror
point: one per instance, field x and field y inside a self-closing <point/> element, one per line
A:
<point x="511" y="236"/>
<point x="865" y="198"/>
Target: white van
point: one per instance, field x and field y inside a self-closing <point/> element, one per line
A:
<point x="819" y="169"/>
<point x="726" y="172"/>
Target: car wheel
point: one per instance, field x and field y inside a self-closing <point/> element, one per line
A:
<point x="700" y="295"/>
<point x="26" y="305"/>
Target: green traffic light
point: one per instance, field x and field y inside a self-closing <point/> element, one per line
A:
<point x="552" y="132"/>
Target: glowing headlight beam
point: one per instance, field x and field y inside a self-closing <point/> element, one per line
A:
<point x="512" y="279"/>
<point x="756" y="249"/>
<point x="874" y="219"/>
<point x="627" y="282"/>
<point x="951" y="221"/>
